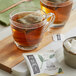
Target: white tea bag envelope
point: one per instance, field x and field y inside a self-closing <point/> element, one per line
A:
<point x="42" y="64"/>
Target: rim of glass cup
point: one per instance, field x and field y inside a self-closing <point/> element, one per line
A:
<point x="38" y="9"/>
<point x="59" y="5"/>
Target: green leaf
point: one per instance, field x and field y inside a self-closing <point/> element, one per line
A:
<point x="51" y="56"/>
<point x="60" y="70"/>
<point x="41" y="58"/>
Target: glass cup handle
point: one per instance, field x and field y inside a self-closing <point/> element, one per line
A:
<point x="52" y="15"/>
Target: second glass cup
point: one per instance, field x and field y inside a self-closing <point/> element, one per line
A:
<point x="61" y="9"/>
<point x="28" y="26"/>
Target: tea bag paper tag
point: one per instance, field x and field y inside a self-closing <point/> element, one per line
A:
<point x="58" y="37"/>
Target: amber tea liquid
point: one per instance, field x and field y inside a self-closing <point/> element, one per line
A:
<point x="61" y="11"/>
<point x="24" y="36"/>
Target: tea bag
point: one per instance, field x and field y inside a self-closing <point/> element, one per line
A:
<point x="58" y="1"/>
<point x="42" y="64"/>
<point x="31" y="18"/>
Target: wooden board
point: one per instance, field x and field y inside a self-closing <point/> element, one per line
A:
<point x="10" y="55"/>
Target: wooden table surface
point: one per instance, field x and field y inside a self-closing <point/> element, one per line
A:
<point x="10" y="55"/>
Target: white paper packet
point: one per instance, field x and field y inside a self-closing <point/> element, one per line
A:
<point x="42" y="64"/>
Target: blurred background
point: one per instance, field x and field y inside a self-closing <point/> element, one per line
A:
<point x="4" y="17"/>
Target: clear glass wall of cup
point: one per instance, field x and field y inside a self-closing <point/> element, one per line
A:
<point x="27" y="36"/>
<point x="61" y="9"/>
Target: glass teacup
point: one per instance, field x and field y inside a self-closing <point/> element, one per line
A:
<point x="28" y="26"/>
<point x="61" y="9"/>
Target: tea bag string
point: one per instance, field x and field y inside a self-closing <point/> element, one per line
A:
<point x="6" y="9"/>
